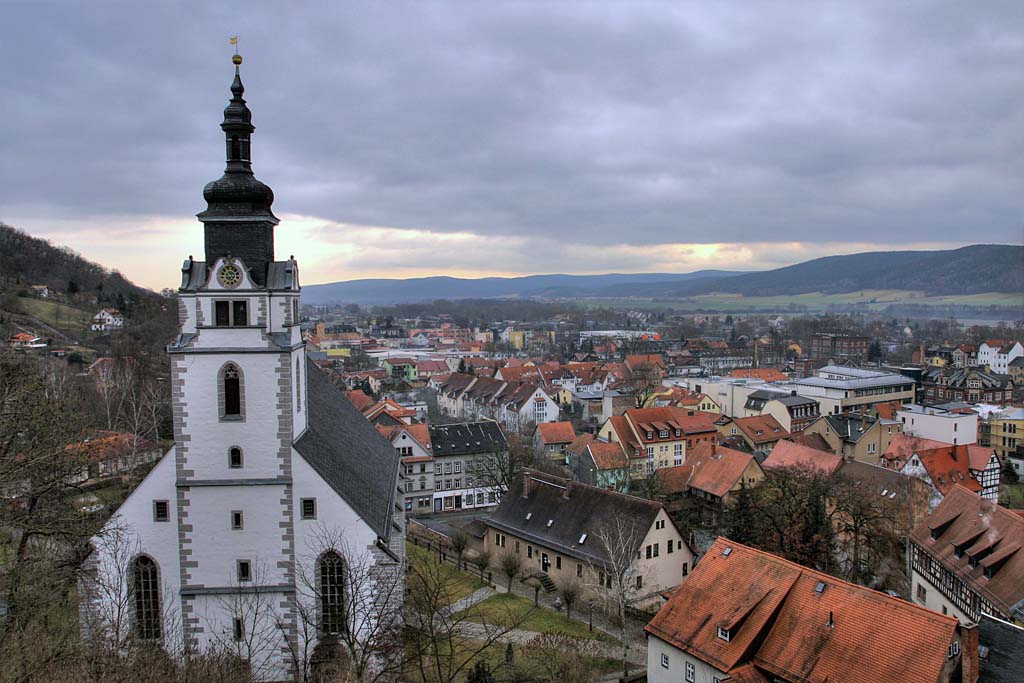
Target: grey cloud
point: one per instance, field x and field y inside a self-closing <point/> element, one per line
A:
<point x="609" y="123"/>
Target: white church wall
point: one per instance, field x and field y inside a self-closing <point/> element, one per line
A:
<point x="212" y="437"/>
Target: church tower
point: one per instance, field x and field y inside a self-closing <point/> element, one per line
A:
<point x="243" y="536"/>
<point x="238" y="381"/>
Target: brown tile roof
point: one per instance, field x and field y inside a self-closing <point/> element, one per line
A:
<point x="642" y="360"/>
<point x="903" y="446"/>
<point x="670" y="418"/>
<point x="887" y="410"/>
<point x="716" y="469"/>
<point x="607" y="456"/>
<point x="674" y="480"/>
<point x="359" y="399"/>
<point x="815" y="441"/>
<point x="992" y="533"/>
<point x="580" y="443"/>
<point x="779" y="622"/>
<point x="761" y="428"/>
<point x="789" y="454"/>
<point x="556" y="432"/>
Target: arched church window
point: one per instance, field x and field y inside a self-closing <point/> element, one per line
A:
<point x="331" y="569"/>
<point x="145" y="586"/>
<point x="235" y="457"/>
<point x="236" y="148"/>
<point x="232" y="381"/>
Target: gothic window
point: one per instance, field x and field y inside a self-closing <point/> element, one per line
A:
<point x="235" y="457"/>
<point x="146" y="598"/>
<point x="231" y="392"/>
<point x="331" y="569"/>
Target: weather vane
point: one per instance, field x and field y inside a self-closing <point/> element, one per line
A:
<point x="237" y="59"/>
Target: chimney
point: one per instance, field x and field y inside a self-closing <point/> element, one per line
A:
<point x="792" y="392"/>
<point x="831" y="621"/>
<point x="969" y="654"/>
<point x="567" y="494"/>
<point x="527" y="483"/>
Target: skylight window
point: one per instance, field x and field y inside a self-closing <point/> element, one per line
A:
<point x="528" y="516"/>
<point x="550" y="522"/>
<point x="727" y="552"/>
<point x="583" y="539"/>
<point x="820" y="588"/>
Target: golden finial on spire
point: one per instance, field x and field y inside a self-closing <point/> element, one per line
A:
<point x="236" y="59"/>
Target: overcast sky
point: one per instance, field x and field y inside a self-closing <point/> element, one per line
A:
<point x="471" y="138"/>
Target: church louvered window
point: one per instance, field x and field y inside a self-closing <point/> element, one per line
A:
<point x="232" y="391"/>
<point x="146" y="598"/>
<point x="332" y="594"/>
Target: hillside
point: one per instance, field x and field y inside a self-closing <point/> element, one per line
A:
<point x="27" y="260"/>
<point x="388" y="291"/>
<point x="77" y="289"/>
<point x="969" y="270"/>
<point x="976" y="269"/>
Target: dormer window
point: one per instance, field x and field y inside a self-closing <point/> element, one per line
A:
<point x="724" y="634"/>
<point x="230" y="313"/>
<point x="650" y="435"/>
<point x="663" y="434"/>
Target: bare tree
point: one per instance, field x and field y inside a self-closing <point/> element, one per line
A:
<point x="251" y="630"/>
<point x="510" y="564"/>
<point x="620" y="541"/>
<point x="569" y="588"/>
<point x="364" y="622"/>
<point x="459" y="543"/>
<point x="482" y="561"/>
<point x="445" y="642"/>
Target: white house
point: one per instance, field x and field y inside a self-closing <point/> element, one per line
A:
<point x="276" y="489"/>
<point x="527" y="403"/>
<point x="997" y="354"/>
<point x="938" y="424"/>
<point x="107" y="319"/>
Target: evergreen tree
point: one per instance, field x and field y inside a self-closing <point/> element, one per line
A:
<point x="462" y="366"/>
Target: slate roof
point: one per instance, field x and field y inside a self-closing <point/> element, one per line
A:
<point x="348" y="452"/>
<point x="993" y="535"/>
<point x="779" y="622"/>
<point x="1001" y="646"/>
<point x="575" y="509"/>
<point x="466" y="438"/>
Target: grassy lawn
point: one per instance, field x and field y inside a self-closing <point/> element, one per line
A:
<point x="460" y="583"/>
<point x="71" y="321"/>
<point x="539" y="619"/>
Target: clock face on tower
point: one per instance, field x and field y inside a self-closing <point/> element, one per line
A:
<point x="229" y="276"/>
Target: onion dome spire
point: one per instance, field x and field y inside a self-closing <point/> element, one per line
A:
<point x="238" y="216"/>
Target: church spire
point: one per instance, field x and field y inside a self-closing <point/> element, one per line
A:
<point x="238" y="218"/>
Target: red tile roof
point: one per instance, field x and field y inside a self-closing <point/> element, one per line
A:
<point x="903" y="446"/>
<point x="556" y="432"/>
<point x="716" y="469"/>
<point x="359" y="399"/>
<point x="780" y="622"/>
<point x="789" y="454"/>
<point x="948" y="466"/>
<point x="761" y="428"/>
<point x="674" y="480"/>
<point x="607" y="456"/>
<point x="815" y="441"/>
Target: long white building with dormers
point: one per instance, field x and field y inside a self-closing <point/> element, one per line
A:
<point x="273" y="519"/>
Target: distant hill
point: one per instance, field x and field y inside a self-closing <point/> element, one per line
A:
<point x="976" y="269"/>
<point x="390" y="291"/>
